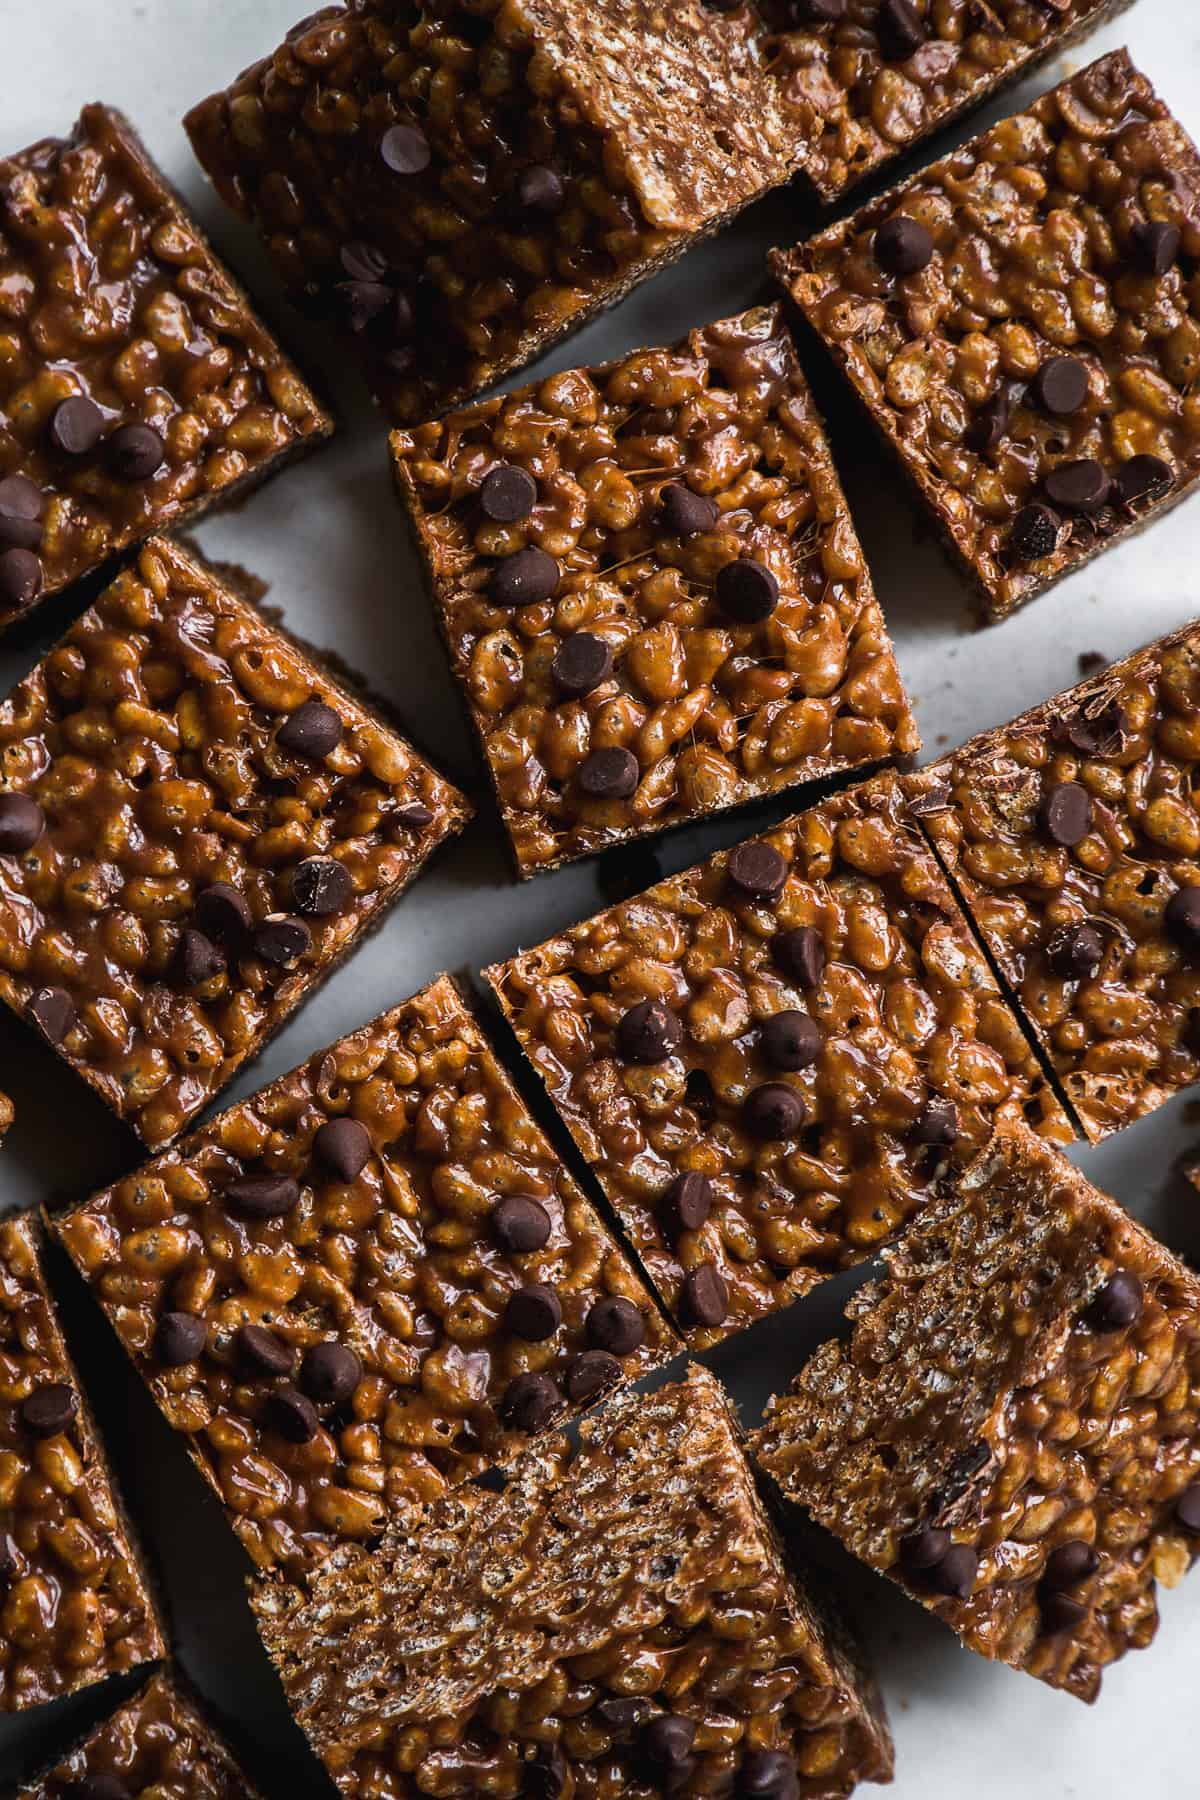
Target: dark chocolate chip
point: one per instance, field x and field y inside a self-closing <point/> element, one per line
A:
<point x="648" y="1033"/>
<point x="704" y="1297"/>
<point x="687" y="1203"/>
<point x="134" y="452"/>
<point x="1118" y="1303"/>
<point x="20" y="579"/>
<point x="541" y="189"/>
<point x="222" y="913"/>
<point x="1075" y="952"/>
<point x="1079" y="486"/>
<point x="768" y="1775"/>
<point x="746" y="590"/>
<point x="281" y="941"/>
<point x="179" y="1338"/>
<point x="625" y="1712"/>
<point x="1065" y="814"/>
<point x="611" y="773"/>
<point x="263" y="1196"/>
<point x="534" y="1312"/>
<point x="260" y="1349"/>
<point x="312" y="731"/>
<point x="76" y="426"/>
<point x="530" y="1402"/>
<point x="330" y="1372"/>
<point x="615" y="1324"/>
<point x="1187" y="1508"/>
<point x="50" y="1409"/>
<point x="197" y="959"/>
<point x="22" y="823"/>
<point x="685" y="513"/>
<point x="507" y="493"/>
<point x="989" y="424"/>
<point x="546" y="1774"/>
<point x="1068" y="1563"/>
<point x="292" y="1415"/>
<point x="53" y="1011"/>
<point x="900" y="29"/>
<point x="362" y="261"/>
<point x="520" y="1224"/>
<point x="1033" y="534"/>
<point x="902" y="245"/>
<point x="667" y="1740"/>
<point x="1060" y="1613"/>
<point x="757" y="869"/>
<point x="97" y="1787"/>
<point x="790" y="1040"/>
<point x="343" y="1146"/>
<point x="525" y="578"/>
<point x="800" y="955"/>
<point x="925" y="1549"/>
<point x="773" y="1110"/>
<point x="581" y="663"/>
<point x="414" y="815"/>
<point x="363" y="302"/>
<point x="320" y="886"/>
<point x="937" y="1124"/>
<point x="1143" y="476"/>
<point x="1060" y="386"/>
<point x="1181" y="918"/>
<point x="1155" y="245"/>
<point x="404" y="149"/>
<point x="590" y="1373"/>
<point x="22" y="504"/>
<point x="954" y="1574"/>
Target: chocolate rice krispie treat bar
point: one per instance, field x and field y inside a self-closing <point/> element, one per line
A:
<point x="766" y="1058"/>
<point x="1073" y="836"/>
<point x="1022" y="323"/>
<point x="137" y="385"/>
<point x="1012" y="1430"/>
<point x="159" y="1743"/>
<point x="76" y="1603"/>
<point x="620" y="1620"/>
<point x="197" y="823"/>
<point x="651" y="590"/>
<point x="365" y="1284"/>
<point x="461" y="184"/>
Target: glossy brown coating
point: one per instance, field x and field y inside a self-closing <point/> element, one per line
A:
<point x="907" y="1012"/>
<point x="1036" y="254"/>
<point x="109" y="293"/>
<point x="75" y="1604"/>
<point x="559" y="1625"/>
<point x="148" y="738"/>
<point x="157" y="1744"/>
<point x="1084" y="933"/>
<point x="715" y="712"/>
<point x="403" y="1265"/>
<point x="1034" y="1491"/>
<point x="655" y="124"/>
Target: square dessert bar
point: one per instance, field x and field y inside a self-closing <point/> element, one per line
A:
<point x="197" y="823"/>
<point x="137" y="386"/>
<point x="367" y="1283"/>
<point x="159" y="1743"/>
<point x="461" y="184"/>
<point x="651" y="590"/>
<point x="1073" y="835"/>
<point x="766" y="1058"/>
<point x="1012" y="1431"/>
<point x="1022" y="323"/>
<point x="76" y="1604"/>
<point x="619" y="1620"/>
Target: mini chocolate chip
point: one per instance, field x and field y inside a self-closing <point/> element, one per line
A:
<point x="330" y="1372"/>
<point x="520" y="1224"/>
<point x="1068" y="1563"/>
<point x="541" y="189"/>
<point x="704" y="1297"/>
<point x="746" y="590"/>
<point x="343" y="1146"/>
<point x="533" y="1313"/>
<point x="1181" y="918"/>
<point x="292" y="1415"/>
<point x="97" y="1787"/>
<point x="768" y="1774"/>
<point x="1141" y="476"/>
<point x="134" y="452"/>
<point x="684" y="513"/>
<point x="1187" y="1508"/>
<point x="1061" y="1613"/>
<point x="1155" y="245"/>
<point x="625" y="1712"/>
<point x="20" y="579"/>
<point x="1079" y="486"/>
<point x="321" y="885"/>
<point x="414" y="815"/>
<point x="363" y="302"/>
<point x="900" y="29"/>
<point x="821" y="12"/>
<point x="902" y="245"/>
<point x="773" y="1110"/>
<point x="546" y="1775"/>
<point x="261" y="1349"/>
<point x="405" y="149"/>
<point x="757" y="869"/>
<point x="687" y="1203"/>
<point x="924" y="1549"/>
<point x="1075" y="952"/>
<point x="615" y="1324"/>
<point x="362" y="261"/>
<point x="508" y="493"/>
<point x="667" y="1740"/>
<point x="954" y="1574"/>
<point x="1033" y="534"/>
<point x="312" y="731"/>
<point x="221" y="912"/>
<point x="525" y="578"/>
<point x="50" y="1409"/>
<point x="989" y="424"/>
<point x="937" y="1124"/>
<point x="581" y="663"/>
<point x="197" y="959"/>
<point x="1060" y="386"/>
<point x="1065" y="814"/>
<point x="590" y="1373"/>
<point x="263" y="1196"/>
<point x="179" y="1338"/>
<point x="790" y="1040"/>
<point x="530" y="1402"/>
<point x="1118" y="1303"/>
<point x="76" y="426"/>
<point x="611" y="773"/>
<point x="648" y="1033"/>
<point x="800" y="954"/>
<point x="22" y="504"/>
<point x="281" y="941"/>
<point x="22" y="823"/>
<point x="53" y="1011"/>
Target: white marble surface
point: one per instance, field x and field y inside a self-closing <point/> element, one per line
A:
<point x="328" y="540"/>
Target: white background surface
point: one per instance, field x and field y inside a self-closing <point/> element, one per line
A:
<point x="328" y="538"/>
